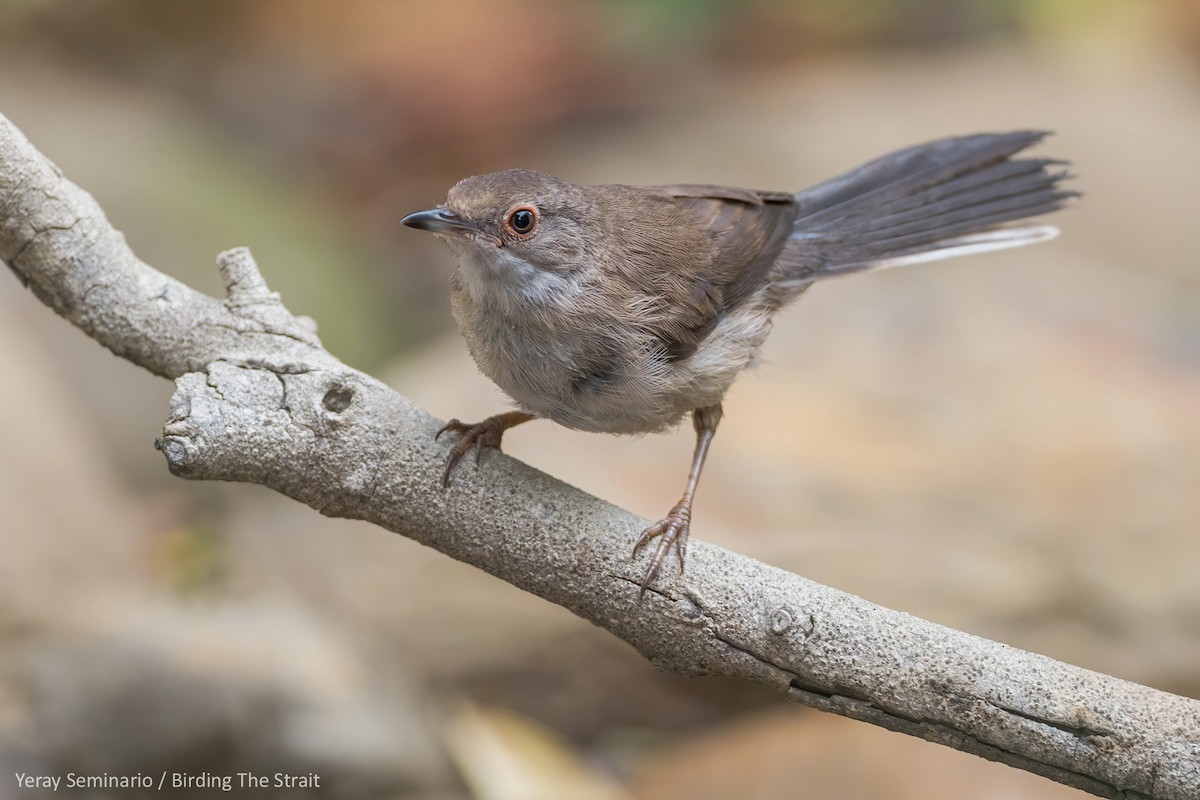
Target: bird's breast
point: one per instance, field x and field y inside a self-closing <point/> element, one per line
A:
<point x="576" y="366"/>
<point x="584" y="367"/>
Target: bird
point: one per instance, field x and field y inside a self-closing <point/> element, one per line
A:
<point x="621" y="309"/>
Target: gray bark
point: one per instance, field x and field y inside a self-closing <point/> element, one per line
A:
<point x="259" y="400"/>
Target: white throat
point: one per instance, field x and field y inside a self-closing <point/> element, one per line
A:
<point x="505" y="282"/>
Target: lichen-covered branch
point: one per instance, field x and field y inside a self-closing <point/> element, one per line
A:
<point x="258" y="399"/>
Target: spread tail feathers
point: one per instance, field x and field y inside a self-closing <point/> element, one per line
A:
<point x="932" y="201"/>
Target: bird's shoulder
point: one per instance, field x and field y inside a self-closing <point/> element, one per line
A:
<point x="683" y="192"/>
<point x="703" y="248"/>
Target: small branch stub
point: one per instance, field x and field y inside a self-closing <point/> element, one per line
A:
<point x="250" y="299"/>
<point x="243" y="281"/>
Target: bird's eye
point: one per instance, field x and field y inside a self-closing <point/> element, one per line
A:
<point x="522" y="220"/>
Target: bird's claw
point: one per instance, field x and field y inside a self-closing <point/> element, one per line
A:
<point x="471" y="436"/>
<point x="670" y="530"/>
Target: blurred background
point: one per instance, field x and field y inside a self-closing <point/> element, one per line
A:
<point x="1008" y="444"/>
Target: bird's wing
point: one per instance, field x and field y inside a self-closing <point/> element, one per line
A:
<point x="717" y="246"/>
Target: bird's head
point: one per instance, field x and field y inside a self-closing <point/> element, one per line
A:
<point x="518" y="228"/>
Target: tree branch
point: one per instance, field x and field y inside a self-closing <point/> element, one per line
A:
<point x="259" y="400"/>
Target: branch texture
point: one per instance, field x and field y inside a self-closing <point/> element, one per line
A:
<point x="258" y="399"/>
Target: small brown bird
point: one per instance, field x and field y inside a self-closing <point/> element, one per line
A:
<point x="619" y="309"/>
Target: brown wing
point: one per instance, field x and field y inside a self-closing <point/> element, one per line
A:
<point x="740" y="234"/>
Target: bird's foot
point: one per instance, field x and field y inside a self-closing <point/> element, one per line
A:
<point x="477" y="436"/>
<point x="670" y="530"/>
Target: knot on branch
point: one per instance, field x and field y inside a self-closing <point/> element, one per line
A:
<point x="298" y="430"/>
<point x="276" y="412"/>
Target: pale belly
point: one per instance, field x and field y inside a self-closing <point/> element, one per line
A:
<point x="592" y="382"/>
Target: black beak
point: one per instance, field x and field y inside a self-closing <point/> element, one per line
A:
<point x="439" y="220"/>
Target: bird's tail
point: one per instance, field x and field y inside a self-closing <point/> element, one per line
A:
<point x="937" y="200"/>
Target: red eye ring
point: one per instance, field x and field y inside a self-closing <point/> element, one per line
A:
<point x="521" y="222"/>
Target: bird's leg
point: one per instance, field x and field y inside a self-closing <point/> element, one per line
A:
<point x="478" y="435"/>
<point x="673" y="529"/>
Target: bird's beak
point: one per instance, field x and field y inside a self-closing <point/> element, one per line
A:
<point x="439" y="220"/>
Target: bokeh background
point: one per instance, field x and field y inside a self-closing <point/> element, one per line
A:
<point x="1008" y="444"/>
